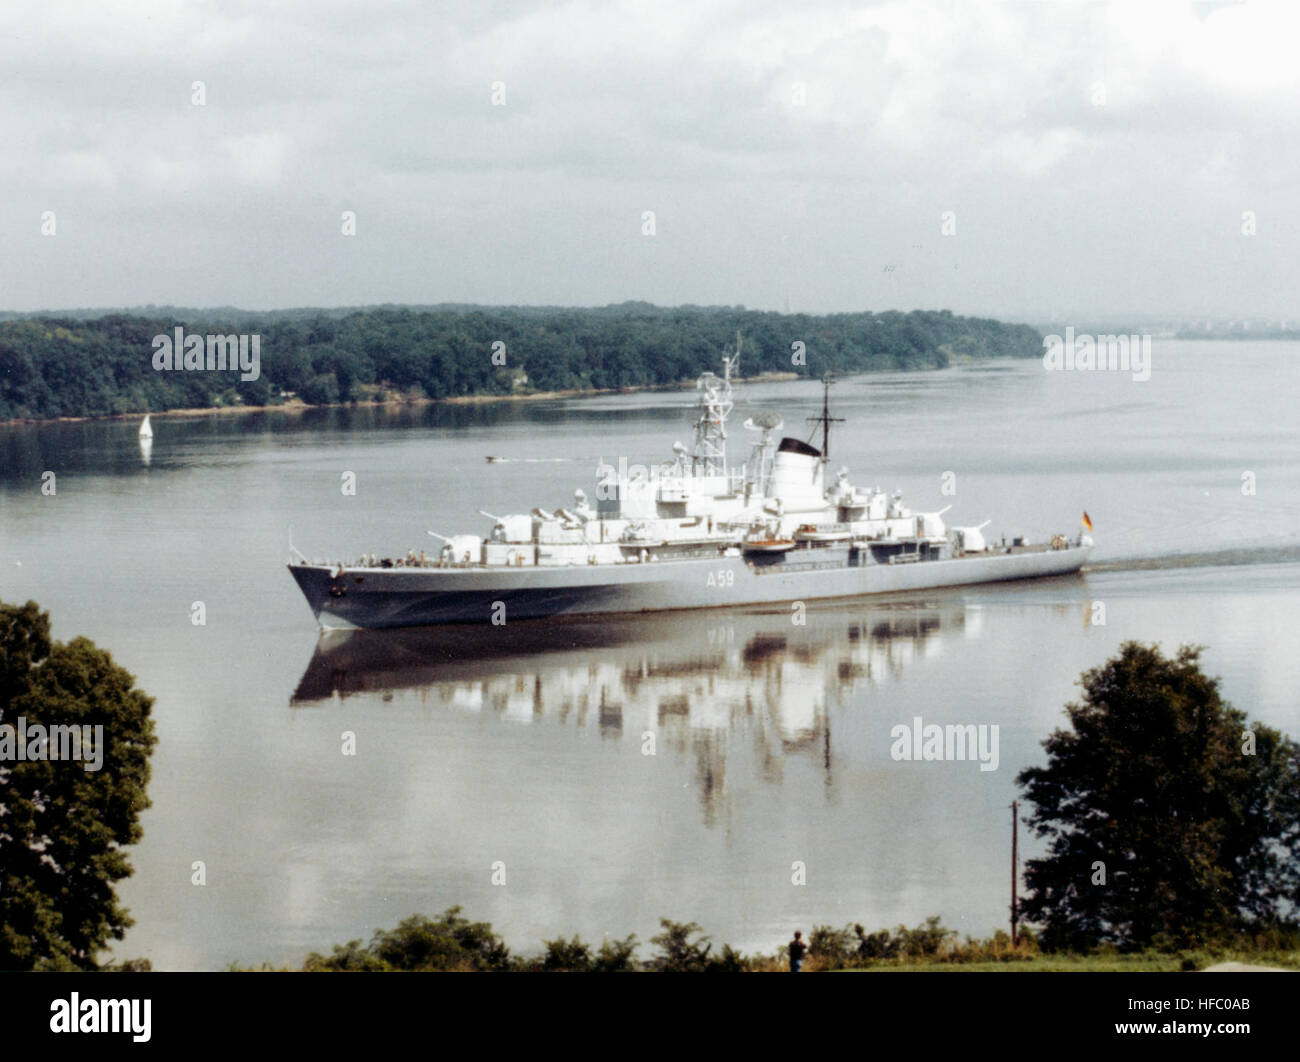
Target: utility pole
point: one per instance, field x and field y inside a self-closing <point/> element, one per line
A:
<point x="1015" y="869"/>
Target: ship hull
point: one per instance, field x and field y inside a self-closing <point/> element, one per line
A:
<point x="416" y="597"/>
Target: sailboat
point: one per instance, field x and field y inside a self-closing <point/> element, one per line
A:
<point x="146" y="432"/>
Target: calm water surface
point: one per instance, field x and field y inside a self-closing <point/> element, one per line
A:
<point x="524" y="744"/>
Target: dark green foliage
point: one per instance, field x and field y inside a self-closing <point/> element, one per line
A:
<point x="925" y="941"/>
<point x="997" y="948"/>
<point x="616" y="956"/>
<point x="448" y="942"/>
<point x="729" y="961"/>
<point x="678" y="952"/>
<point x="352" y="957"/>
<point x="682" y="948"/>
<point x="62" y="827"/>
<point x="879" y="945"/>
<point x="1199" y="841"/>
<point x="321" y="390"/>
<point x="852" y="946"/>
<point x="451" y="942"/>
<point x="130" y="966"/>
<point x="76" y="365"/>
<point x="572" y="955"/>
<point x="831" y="946"/>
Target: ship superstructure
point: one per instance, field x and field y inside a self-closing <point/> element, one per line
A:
<point x="691" y="532"/>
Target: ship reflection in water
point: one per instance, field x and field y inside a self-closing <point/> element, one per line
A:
<point x="702" y="683"/>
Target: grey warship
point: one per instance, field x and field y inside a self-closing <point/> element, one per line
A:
<point x="693" y="532"/>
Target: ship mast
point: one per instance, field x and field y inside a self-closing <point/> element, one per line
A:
<point x="710" y="455"/>
<point x="825" y="420"/>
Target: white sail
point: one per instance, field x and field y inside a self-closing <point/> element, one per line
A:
<point x="146" y="432"/>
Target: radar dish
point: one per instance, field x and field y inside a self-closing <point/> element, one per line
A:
<point x="765" y="420"/>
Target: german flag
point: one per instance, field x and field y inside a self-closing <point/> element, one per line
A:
<point x="1087" y="520"/>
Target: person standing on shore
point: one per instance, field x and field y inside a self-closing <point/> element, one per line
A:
<point x="797" y="951"/>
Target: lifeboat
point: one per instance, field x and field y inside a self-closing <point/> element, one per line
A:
<point x="768" y="545"/>
<point x="812" y="533"/>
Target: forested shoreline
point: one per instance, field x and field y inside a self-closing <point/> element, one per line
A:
<point x="77" y="364"/>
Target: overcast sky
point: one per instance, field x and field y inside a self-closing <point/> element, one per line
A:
<point x="1097" y="157"/>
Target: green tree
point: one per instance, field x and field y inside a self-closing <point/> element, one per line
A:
<point x="448" y="942"/>
<point x="569" y="955"/>
<point x="1170" y="820"/>
<point x="351" y="957"/>
<point x="616" y="956"/>
<point x="321" y="390"/>
<point x="879" y="945"/>
<point x="64" y="823"/>
<point x="925" y="940"/>
<point x="831" y="946"/>
<point x="678" y="953"/>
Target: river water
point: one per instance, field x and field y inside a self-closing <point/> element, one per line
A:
<point x="520" y="752"/>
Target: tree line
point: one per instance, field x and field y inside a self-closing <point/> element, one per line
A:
<point x="72" y="364"/>
<point x="451" y="942"/>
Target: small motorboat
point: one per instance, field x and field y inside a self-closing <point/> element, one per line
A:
<point x="831" y="533"/>
<point x="767" y="545"/>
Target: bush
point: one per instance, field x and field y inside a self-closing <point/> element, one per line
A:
<point x="569" y="955"/>
<point x="678" y="953"/>
<point x="997" y="948"/>
<point x="831" y="947"/>
<point x="449" y="942"/>
<point x="925" y="941"/>
<point x="878" y="945"/>
<point x="616" y="956"/>
<point x="321" y="390"/>
<point x="346" y="958"/>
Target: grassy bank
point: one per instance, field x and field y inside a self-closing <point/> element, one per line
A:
<point x="1141" y="962"/>
<point x="369" y="397"/>
<point x="451" y="942"/>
